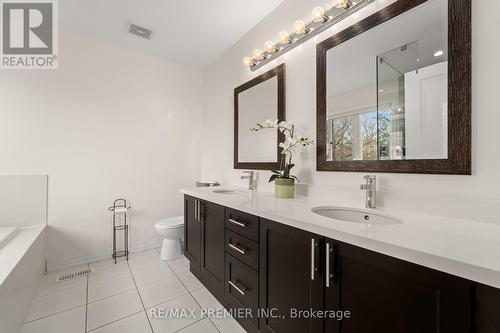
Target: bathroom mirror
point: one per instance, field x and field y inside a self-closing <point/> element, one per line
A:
<point x="254" y="102"/>
<point x="394" y="91"/>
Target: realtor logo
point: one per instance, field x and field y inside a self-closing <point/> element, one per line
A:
<point x="29" y="34"/>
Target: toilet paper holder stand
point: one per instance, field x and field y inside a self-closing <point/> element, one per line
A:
<point x="120" y="224"/>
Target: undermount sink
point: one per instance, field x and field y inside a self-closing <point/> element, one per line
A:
<point x="356" y="215"/>
<point x="228" y="192"/>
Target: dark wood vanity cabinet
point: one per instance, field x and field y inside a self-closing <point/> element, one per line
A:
<point x="204" y="242"/>
<point x="252" y="263"/>
<point x="384" y="294"/>
<point x="367" y="291"/>
<point x="290" y="278"/>
<point x="192" y="233"/>
<point x="242" y="267"/>
<point x="487" y="309"/>
<point x="212" y="247"/>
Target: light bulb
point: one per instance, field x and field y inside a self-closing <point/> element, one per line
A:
<point x="318" y="15"/>
<point x="284" y="37"/>
<point x="345" y="4"/>
<point x="271" y="46"/>
<point x="299" y="27"/>
<point x="258" y="54"/>
<point x="247" y="61"/>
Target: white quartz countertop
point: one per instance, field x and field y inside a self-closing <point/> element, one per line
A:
<point x="465" y="248"/>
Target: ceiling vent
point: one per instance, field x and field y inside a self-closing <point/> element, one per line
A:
<point x="140" y="31"/>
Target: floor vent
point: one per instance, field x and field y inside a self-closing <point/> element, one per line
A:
<point x="74" y="275"/>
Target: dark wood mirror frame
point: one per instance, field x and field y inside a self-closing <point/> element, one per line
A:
<point x="459" y="95"/>
<point x="280" y="73"/>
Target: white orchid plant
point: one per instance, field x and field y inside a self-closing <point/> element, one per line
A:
<point x="289" y="148"/>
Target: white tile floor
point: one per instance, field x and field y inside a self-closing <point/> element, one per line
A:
<point x="117" y="298"/>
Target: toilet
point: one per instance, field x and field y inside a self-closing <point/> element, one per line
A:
<point x="172" y="232"/>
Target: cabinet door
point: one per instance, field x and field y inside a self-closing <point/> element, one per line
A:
<point x="212" y="252"/>
<point x="487" y="303"/>
<point x="387" y="295"/>
<point x="290" y="278"/>
<point x="192" y="233"/>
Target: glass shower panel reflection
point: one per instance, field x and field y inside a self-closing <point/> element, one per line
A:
<point x="391" y="109"/>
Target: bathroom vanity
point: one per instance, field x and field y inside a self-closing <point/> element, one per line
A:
<point x="260" y="254"/>
<point x="393" y="95"/>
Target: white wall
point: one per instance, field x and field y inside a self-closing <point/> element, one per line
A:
<point x="110" y="123"/>
<point x="23" y="200"/>
<point x="228" y="72"/>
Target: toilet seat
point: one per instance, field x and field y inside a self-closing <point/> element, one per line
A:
<point x="170" y="223"/>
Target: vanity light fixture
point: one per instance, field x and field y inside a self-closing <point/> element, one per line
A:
<point x="318" y="15"/>
<point x="284" y="38"/>
<point x="299" y="27"/>
<point x="271" y="47"/>
<point x="258" y="55"/>
<point x="247" y="61"/>
<point x="345" y="4"/>
<point x="321" y="20"/>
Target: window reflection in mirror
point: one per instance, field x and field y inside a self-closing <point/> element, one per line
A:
<point x="387" y="90"/>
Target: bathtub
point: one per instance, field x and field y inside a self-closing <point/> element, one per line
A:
<point x="6" y="234"/>
<point x="22" y="265"/>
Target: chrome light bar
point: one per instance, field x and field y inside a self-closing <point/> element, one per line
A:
<point x="322" y="20"/>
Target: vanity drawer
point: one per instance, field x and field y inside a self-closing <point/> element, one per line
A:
<point x="242" y="287"/>
<point x="243" y="249"/>
<point x="242" y="223"/>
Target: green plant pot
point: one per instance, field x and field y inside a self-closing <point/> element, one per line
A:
<point x="284" y="188"/>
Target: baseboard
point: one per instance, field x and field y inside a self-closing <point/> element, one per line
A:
<point x="53" y="265"/>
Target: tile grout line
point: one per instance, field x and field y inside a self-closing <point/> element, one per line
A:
<point x="54" y="314"/>
<point x="65" y="289"/>
<point x="87" y="302"/>
<point x="114" y="321"/>
<point x="180" y="330"/>
<point x="52" y="293"/>
<point x="191" y="294"/>
<point x="112" y="277"/>
<point x="210" y="319"/>
<point x="127" y="291"/>
<point x="136" y="287"/>
<point x="118" y="294"/>
<point x="140" y="297"/>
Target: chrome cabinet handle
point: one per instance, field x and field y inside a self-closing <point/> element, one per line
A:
<point x="237" y="223"/>
<point x="241" y="291"/>
<point x="313" y="248"/>
<point x="328" y="275"/>
<point x="199" y="211"/>
<point x="196" y="210"/>
<point x="234" y="247"/>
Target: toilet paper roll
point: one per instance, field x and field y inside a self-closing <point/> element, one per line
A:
<point x="121" y="210"/>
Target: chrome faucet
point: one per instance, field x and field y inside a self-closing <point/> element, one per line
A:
<point x="370" y="186"/>
<point x="253" y="177"/>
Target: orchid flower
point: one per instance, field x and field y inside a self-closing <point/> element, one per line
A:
<point x="290" y="147"/>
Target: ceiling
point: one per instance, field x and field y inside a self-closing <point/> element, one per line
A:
<point x="191" y="32"/>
